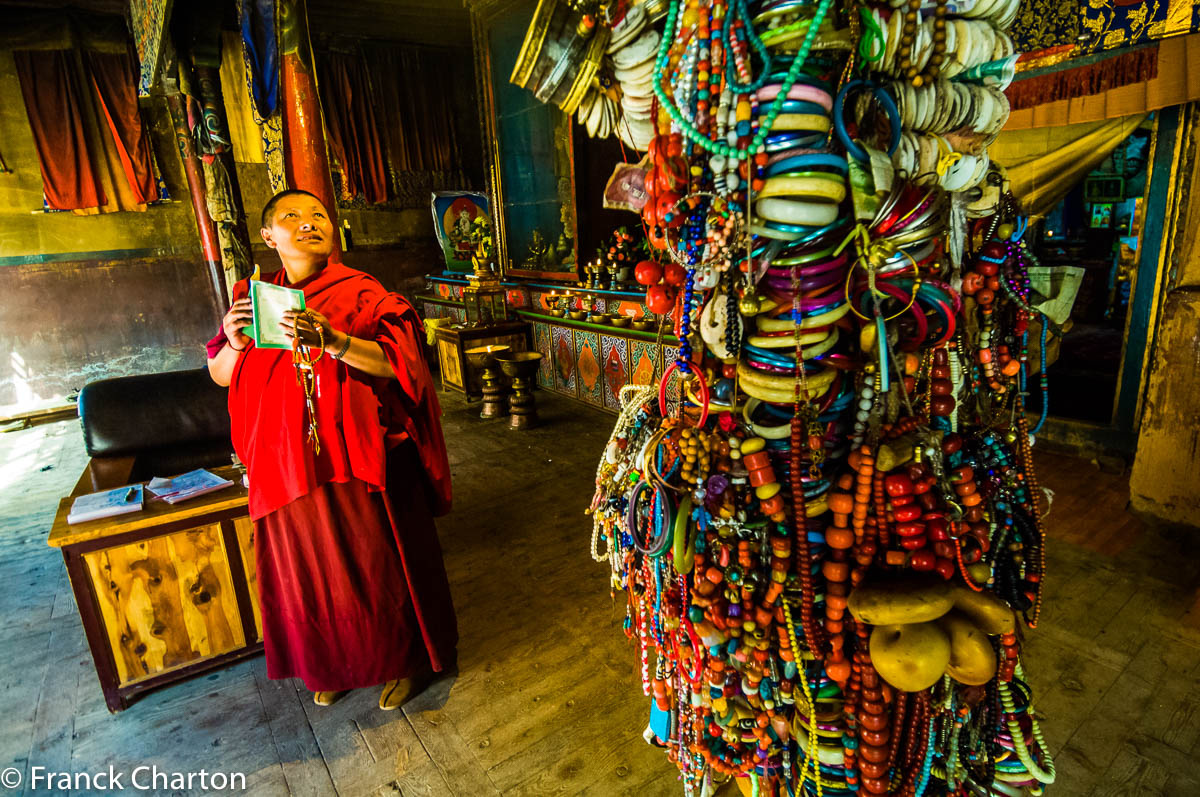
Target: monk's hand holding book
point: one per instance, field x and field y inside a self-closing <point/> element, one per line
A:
<point x="240" y="315"/>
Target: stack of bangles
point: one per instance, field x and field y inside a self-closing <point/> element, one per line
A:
<point x="929" y="304"/>
<point x="797" y="185"/>
<point x="910" y="215"/>
<point x="650" y="520"/>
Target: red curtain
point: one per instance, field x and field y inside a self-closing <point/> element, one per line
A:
<point x="353" y="130"/>
<point x="60" y="88"/>
<point x="114" y="76"/>
<point x="413" y="90"/>
<point x="50" y="86"/>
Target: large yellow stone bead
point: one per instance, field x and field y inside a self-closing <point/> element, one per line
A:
<point x="752" y="444"/>
<point x="767" y="491"/>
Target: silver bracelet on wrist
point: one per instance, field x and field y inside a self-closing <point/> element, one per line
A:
<point x="345" y="348"/>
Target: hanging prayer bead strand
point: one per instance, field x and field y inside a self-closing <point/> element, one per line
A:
<point x="306" y="374"/>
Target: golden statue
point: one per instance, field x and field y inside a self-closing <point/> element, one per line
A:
<point x="538" y="249"/>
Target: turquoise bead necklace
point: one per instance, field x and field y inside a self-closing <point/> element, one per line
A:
<point x="756" y="144"/>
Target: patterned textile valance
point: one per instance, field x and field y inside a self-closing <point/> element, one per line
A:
<point x="1095" y="25"/>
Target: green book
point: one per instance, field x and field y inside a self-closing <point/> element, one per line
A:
<point x="269" y="303"/>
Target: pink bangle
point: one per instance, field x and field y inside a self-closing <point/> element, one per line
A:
<point x="798" y="92"/>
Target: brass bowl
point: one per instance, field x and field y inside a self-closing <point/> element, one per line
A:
<point x="579" y="315"/>
<point x="599" y="318"/>
<point x="484" y="357"/>
<point x="642" y="325"/>
<point x="621" y="321"/>
<point x="522" y="364"/>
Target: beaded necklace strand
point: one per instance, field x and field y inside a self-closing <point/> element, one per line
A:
<point x="690" y="130"/>
<point x="306" y="375"/>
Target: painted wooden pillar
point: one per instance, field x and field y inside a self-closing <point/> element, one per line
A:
<point x="195" y="180"/>
<point x="232" y="233"/>
<point x="1165" y="481"/>
<point x="306" y="157"/>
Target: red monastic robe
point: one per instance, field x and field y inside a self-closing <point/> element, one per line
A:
<point x="351" y="582"/>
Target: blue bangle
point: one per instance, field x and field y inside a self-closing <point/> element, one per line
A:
<point x="820" y="233"/>
<point x="839" y="117"/>
<point x="807" y="162"/>
<point x="773" y="357"/>
<point x="779" y="226"/>
<point x="780" y="78"/>
<point x="783" y="5"/>
<point x="793" y="139"/>
<point x="796" y="106"/>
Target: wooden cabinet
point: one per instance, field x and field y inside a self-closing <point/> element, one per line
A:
<point x="163" y="593"/>
<point x="452" y="344"/>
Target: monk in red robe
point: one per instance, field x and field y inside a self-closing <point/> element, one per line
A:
<point x="351" y="582"/>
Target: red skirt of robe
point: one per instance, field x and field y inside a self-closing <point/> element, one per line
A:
<point x="352" y="585"/>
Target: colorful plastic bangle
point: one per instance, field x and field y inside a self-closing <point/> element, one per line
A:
<point x="802" y="122"/>
<point x="800" y="91"/>
<point x="783" y="283"/>
<point x="801" y="106"/>
<point x="796" y="211"/>
<point x="807" y="162"/>
<point x="818" y="320"/>
<point x="809" y="257"/>
<point x="822" y="186"/>
<point x="787" y="141"/>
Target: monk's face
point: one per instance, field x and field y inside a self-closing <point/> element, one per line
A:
<point x="300" y="230"/>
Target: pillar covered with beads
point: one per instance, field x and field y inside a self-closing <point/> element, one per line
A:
<point x="823" y="514"/>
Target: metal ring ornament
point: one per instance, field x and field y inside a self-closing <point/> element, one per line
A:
<point x="839" y="117"/>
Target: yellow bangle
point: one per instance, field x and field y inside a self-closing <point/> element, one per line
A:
<point x="765" y="432"/>
<point x="826" y="754"/>
<point x="831" y="188"/>
<point x="786" y="324"/>
<point x="781" y="389"/>
<point x="817" y="123"/>
<point x="786" y="341"/>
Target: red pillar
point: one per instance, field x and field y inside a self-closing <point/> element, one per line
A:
<point x="305" y="155"/>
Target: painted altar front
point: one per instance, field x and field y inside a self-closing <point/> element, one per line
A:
<point x="584" y="355"/>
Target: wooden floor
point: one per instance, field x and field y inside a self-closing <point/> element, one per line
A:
<point x="546" y="699"/>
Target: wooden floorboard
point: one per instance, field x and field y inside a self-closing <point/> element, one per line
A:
<point x="547" y="696"/>
<point x="296" y="747"/>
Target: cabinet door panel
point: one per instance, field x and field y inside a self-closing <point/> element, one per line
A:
<point x="166" y="602"/>
<point x="244" y="527"/>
